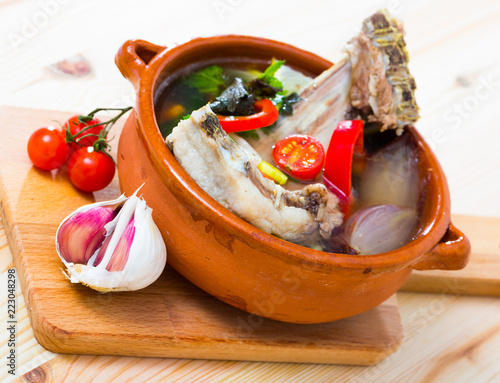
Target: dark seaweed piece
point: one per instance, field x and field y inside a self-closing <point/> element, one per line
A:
<point x="234" y="101"/>
<point x="266" y="85"/>
<point x="286" y="107"/>
<point x="261" y="89"/>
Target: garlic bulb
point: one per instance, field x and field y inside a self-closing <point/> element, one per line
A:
<point x="112" y="245"/>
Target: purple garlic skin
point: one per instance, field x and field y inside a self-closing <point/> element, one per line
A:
<point x="82" y="234"/>
<point x="112" y="245"/>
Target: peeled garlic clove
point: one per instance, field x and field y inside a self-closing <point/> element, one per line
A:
<point x="130" y="257"/>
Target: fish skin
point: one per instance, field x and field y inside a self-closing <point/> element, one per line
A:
<point x="229" y="174"/>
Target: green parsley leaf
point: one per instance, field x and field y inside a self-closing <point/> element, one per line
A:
<point x="268" y="129"/>
<point x="249" y="134"/>
<point x="211" y="79"/>
<point x="269" y="73"/>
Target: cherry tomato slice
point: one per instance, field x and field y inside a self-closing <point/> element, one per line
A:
<point x="75" y="127"/>
<point x="89" y="170"/>
<point x="266" y="115"/>
<point x="301" y="156"/>
<point x="47" y="148"/>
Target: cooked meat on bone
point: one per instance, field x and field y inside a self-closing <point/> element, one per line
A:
<point x="229" y="174"/>
<point x="372" y="80"/>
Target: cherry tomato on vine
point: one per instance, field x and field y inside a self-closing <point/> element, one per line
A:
<point x="47" y="148"/>
<point x="89" y="170"/>
<point x="75" y="127"/>
<point x="299" y="155"/>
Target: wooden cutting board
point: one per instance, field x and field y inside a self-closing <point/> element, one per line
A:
<point x="172" y="317"/>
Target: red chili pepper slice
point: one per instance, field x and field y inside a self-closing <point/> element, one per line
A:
<point x="346" y="140"/>
<point x="301" y="156"/>
<point x="266" y="115"/>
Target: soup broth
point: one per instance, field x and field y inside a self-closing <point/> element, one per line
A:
<point x="180" y="98"/>
<point x="383" y="212"/>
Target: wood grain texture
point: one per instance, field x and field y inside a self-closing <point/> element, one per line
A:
<point x="29" y="352"/>
<point x="172" y="317"/>
<point x="431" y="353"/>
<point x="448" y="338"/>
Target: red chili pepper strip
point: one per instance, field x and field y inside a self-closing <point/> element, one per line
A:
<point x="299" y="155"/>
<point x="266" y="115"/>
<point x="346" y="139"/>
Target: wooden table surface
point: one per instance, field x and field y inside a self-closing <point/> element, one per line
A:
<point x="455" y="59"/>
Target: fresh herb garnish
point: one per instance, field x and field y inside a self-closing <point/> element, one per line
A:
<point x="268" y="129"/>
<point x="285" y="103"/>
<point x="185" y="117"/>
<point x="249" y="134"/>
<point x="211" y="79"/>
<point x="269" y="74"/>
<point x="254" y="135"/>
<point x="261" y="89"/>
<point x="267" y="85"/>
<point x="239" y="97"/>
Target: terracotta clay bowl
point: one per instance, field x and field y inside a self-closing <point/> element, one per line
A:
<point x="233" y="260"/>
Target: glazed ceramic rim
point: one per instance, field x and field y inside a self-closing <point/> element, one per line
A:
<point x="163" y="160"/>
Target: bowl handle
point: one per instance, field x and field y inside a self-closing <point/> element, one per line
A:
<point x="133" y="58"/>
<point x="451" y="253"/>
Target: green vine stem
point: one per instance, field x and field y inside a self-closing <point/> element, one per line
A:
<point x="101" y="144"/>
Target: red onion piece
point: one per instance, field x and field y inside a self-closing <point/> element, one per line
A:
<point x="381" y="228"/>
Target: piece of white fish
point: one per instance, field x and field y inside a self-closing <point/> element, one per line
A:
<point x="229" y="174"/>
